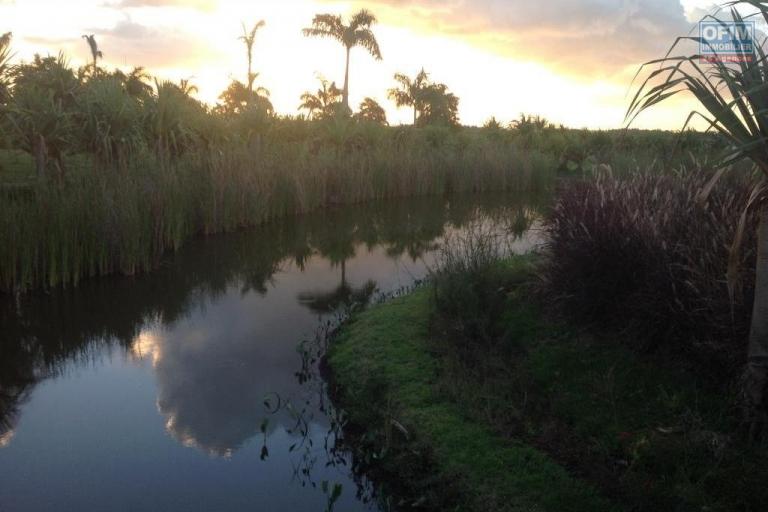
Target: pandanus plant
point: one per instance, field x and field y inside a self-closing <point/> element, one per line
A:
<point x="733" y="97"/>
<point x="172" y="115"/>
<point x="40" y="112"/>
<point x="356" y="33"/>
<point x="109" y="121"/>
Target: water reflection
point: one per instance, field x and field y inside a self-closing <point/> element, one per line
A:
<point x="216" y="328"/>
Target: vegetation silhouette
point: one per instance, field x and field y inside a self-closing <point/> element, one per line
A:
<point x="353" y="34"/>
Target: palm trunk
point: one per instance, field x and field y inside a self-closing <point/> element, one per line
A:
<point x="414" y="113"/>
<point x="346" y="82"/>
<point x="250" y="76"/>
<point x="757" y="357"/>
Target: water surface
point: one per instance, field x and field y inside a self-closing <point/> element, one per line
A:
<point x="169" y="391"/>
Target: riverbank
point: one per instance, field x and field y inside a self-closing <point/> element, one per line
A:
<point x="544" y="417"/>
<point x="97" y="221"/>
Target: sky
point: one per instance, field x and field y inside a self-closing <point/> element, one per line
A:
<point x="567" y="60"/>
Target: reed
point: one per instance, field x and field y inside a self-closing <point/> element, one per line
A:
<point x="101" y="220"/>
<point x="645" y="255"/>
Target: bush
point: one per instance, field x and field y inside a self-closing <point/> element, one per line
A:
<point x="472" y="284"/>
<point x="643" y="253"/>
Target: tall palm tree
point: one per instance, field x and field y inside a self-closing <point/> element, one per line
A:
<point x="96" y="54"/>
<point x="735" y="104"/>
<point x="357" y="33"/>
<point x="249" y="38"/>
<point x="410" y="92"/>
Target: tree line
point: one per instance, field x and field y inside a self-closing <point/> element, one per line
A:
<point x="50" y="109"/>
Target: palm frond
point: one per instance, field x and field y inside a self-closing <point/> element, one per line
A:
<point x="362" y="19"/>
<point x="733" y="95"/>
<point x="366" y="39"/>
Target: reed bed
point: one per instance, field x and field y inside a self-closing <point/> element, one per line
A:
<point x="645" y="255"/>
<point x="100" y="221"/>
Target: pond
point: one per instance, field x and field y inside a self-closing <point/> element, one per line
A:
<point x="182" y="390"/>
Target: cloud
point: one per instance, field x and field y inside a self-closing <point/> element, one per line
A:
<point x="205" y="5"/>
<point x="585" y="37"/>
<point x="152" y="46"/>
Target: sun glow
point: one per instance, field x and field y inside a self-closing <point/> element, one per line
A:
<point x="485" y="66"/>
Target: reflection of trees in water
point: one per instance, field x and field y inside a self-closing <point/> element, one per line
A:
<point x="327" y="302"/>
<point x="43" y="331"/>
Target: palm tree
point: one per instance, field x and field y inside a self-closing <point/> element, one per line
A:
<point x="324" y="102"/>
<point x="357" y="33"/>
<point x="735" y="104"/>
<point x="249" y="38"/>
<point x="95" y="52"/>
<point x="410" y="92"/>
<point x="186" y="87"/>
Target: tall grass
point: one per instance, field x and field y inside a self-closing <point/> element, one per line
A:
<point x="645" y="255"/>
<point x="106" y="220"/>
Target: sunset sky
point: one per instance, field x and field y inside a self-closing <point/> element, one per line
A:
<point x="570" y="61"/>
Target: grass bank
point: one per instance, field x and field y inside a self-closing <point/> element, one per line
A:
<point x="544" y="417"/>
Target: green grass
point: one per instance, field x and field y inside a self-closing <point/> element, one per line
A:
<point x="641" y="431"/>
<point x="388" y="345"/>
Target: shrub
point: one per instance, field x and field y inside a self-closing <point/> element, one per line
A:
<point x="643" y="253"/>
<point x="472" y="282"/>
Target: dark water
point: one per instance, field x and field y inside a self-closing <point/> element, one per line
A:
<point x="178" y="390"/>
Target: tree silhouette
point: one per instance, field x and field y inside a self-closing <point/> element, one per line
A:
<point x="357" y="33"/>
<point x="324" y="103"/>
<point x="238" y="97"/>
<point x="249" y="38"/>
<point x="410" y="92"/>
<point x="135" y="83"/>
<point x="96" y="54"/>
<point x="186" y="87"/>
<point x="372" y="112"/>
<point x="439" y="106"/>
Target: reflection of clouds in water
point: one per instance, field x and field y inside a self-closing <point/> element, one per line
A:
<point x="215" y="365"/>
<point x="146" y="346"/>
<point x="5" y="438"/>
<point x="216" y="331"/>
